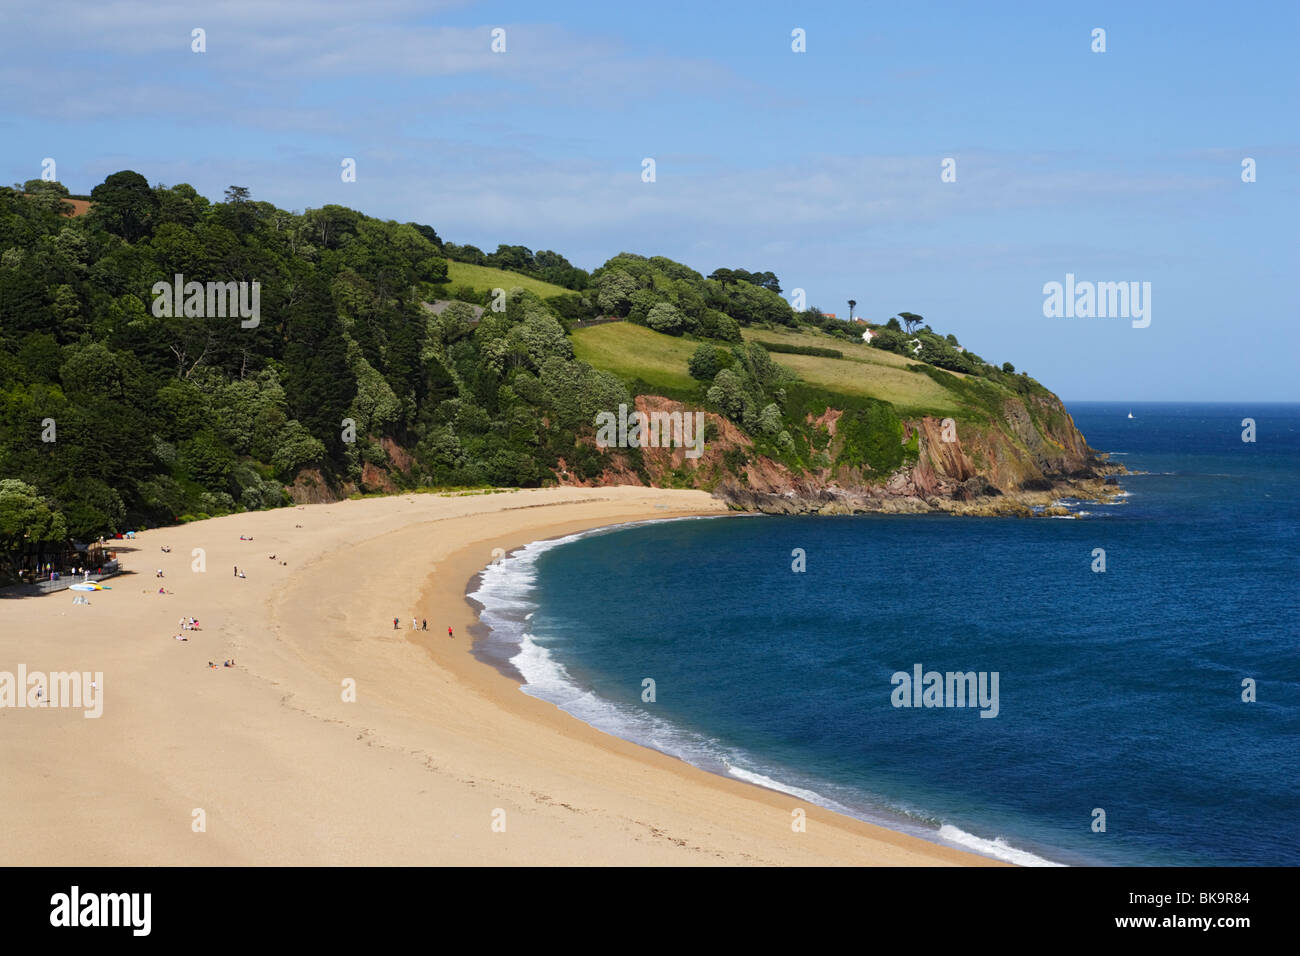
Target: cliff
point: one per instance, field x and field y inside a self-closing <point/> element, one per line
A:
<point x="1017" y="463"/>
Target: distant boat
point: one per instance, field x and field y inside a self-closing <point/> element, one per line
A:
<point x="1130" y="414"/>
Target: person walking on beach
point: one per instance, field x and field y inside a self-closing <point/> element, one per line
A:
<point x="424" y="624"/>
<point x="449" y="633"/>
<point x="414" y="625"/>
<point x="394" y="624"/>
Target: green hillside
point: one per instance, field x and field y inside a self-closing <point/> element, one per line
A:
<point x="635" y="353"/>
<point x="639" y="355"/>
<point x="486" y="278"/>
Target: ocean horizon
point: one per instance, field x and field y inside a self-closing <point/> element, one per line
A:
<point x="1119" y="683"/>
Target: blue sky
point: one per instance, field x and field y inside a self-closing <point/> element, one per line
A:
<point x="823" y="166"/>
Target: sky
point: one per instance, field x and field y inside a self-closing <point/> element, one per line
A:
<point x="822" y="166"/>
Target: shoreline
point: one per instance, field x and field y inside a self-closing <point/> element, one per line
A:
<point x="557" y="719"/>
<point x="416" y="768"/>
<point x="481" y="632"/>
<point x="494" y="658"/>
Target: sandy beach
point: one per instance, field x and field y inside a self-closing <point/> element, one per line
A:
<point x="266" y="762"/>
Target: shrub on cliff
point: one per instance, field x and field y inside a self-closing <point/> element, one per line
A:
<point x="872" y="435"/>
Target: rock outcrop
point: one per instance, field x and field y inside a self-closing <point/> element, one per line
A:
<point x="1020" y="465"/>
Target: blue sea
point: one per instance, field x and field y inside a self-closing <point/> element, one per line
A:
<point x="1119" y="691"/>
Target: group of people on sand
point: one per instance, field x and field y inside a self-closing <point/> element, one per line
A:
<point x="186" y="624"/>
<point x="229" y="663"/>
<point x="420" y="625"/>
<point x="238" y="573"/>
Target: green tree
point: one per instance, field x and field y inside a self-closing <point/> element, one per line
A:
<point x="728" y="393"/>
<point x="317" y="380"/>
<point x="613" y="292"/>
<point x="769" y="420"/>
<point x="52" y="187"/>
<point x="665" y="318"/>
<point x="703" y="363"/>
<point x="207" y="459"/>
<point x="26" y="517"/>
<point x="295" y="447"/>
<point x="125" y="205"/>
<point x="911" y="319"/>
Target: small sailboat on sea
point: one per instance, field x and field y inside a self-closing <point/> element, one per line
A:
<point x="1130" y="414"/>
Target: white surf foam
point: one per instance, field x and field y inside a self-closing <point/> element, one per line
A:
<point x="996" y="847"/>
<point x="765" y="781"/>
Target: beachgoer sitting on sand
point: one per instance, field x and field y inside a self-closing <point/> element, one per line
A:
<point x="166" y="550"/>
<point x="241" y="574"/>
<point x="210" y="664"/>
<point x="160" y="574"/>
<point x="181" y="637"/>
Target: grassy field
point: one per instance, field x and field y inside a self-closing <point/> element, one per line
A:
<point x="853" y="351"/>
<point x="485" y="278"/>
<point x="635" y="352"/>
<point x="908" y="392"/>
<point x="864" y="370"/>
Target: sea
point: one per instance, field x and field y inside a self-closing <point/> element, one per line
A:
<point x="1146" y="652"/>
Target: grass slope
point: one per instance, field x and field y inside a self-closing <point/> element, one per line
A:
<point x="485" y="279"/>
<point x="635" y="353"/>
<point x="853" y="351"/>
<point x="863" y="371"/>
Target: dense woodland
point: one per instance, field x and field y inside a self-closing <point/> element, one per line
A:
<point x="113" y="417"/>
